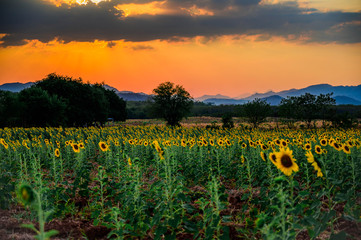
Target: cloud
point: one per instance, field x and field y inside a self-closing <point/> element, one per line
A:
<point x="23" y="20"/>
<point x="142" y="47"/>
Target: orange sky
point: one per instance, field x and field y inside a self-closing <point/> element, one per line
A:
<point x="230" y="65"/>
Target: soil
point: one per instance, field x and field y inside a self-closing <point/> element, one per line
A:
<point x="70" y="228"/>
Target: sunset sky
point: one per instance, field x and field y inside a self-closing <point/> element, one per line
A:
<point x="229" y="47"/>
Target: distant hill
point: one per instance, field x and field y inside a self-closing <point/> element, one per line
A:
<point x="342" y="94"/>
<point x="273" y="100"/>
<point x="132" y="96"/>
<point x="218" y="96"/>
<point x="15" y="87"/>
<point x="224" y="101"/>
<point x="347" y="91"/>
<point x="343" y="100"/>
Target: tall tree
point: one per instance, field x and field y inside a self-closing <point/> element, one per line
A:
<point x="171" y="102"/>
<point x="256" y="111"/>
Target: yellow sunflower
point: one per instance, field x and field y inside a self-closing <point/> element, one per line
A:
<point x="346" y="149"/>
<point x="310" y="157"/>
<point x="318" y="149"/>
<point x="263" y="156"/>
<point x="285" y="161"/>
<point x="103" y="146"/>
<point x="272" y="156"/>
<point x="307" y="146"/>
<point x="57" y="152"/>
<point x="75" y="147"/>
<point x="336" y="146"/>
<point x="323" y="142"/>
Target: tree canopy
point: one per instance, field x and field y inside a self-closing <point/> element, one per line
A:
<point x="171" y="102"/>
<point x="61" y="101"/>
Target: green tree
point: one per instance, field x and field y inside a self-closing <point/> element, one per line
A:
<point x="40" y="108"/>
<point x="10" y="109"/>
<point x="307" y="107"/>
<point x="171" y="102"/>
<point x="256" y="111"/>
<point x="86" y="103"/>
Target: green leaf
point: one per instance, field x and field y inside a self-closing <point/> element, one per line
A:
<point x="30" y="226"/>
<point x="51" y="233"/>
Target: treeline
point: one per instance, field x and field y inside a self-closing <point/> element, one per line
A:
<point x="306" y="108"/>
<point x="60" y="101"/>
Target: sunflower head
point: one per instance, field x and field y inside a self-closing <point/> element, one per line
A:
<point x="323" y="142"/>
<point x="75" y="147"/>
<point x="346" y="149"/>
<point x="103" y="146"/>
<point x="285" y="161"/>
<point x="318" y="149"/>
<point x="263" y="156"/>
<point x="273" y="158"/>
<point x="26" y="194"/>
<point x="57" y="152"/>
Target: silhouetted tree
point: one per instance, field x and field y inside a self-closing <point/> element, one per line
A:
<point x="85" y="103"/>
<point x="256" y="111"/>
<point x="41" y="109"/>
<point x="307" y="107"/>
<point x="171" y="102"/>
<point x="10" y="109"/>
<point x="227" y="121"/>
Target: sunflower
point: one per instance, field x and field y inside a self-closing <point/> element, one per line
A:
<point x="273" y="158"/>
<point x="244" y="145"/>
<point x="26" y="194"/>
<point x="323" y="142"/>
<point x="103" y="146"/>
<point x="346" y="149"/>
<point x="243" y="159"/>
<point x="57" y="152"/>
<point x="129" y="162"/>
<point x="318" y="149"/>
<point x="336" y="146"/>
<point x="263" y="156"/>
<point x="307" y="146"/>
<point x="310" y="157"/>
<point x="75" y="147"/>
<point x="285" y="161"/>
<point x="283" y="143"/>
<point x="81" y="145"/>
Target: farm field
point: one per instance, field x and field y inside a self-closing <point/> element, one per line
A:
<point x="155" y="182"/>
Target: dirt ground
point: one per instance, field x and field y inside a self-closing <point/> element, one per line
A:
<point x="204" y="121"/>
<point x="69" y="228"/>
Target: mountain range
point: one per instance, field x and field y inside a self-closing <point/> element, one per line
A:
<point x="342" y="94"/>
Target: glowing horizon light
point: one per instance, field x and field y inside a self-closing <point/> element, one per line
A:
<point x="152" y="8"/>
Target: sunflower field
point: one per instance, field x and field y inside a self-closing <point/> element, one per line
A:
<point x="154" y="182"/>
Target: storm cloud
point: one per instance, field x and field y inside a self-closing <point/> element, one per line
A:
<point x="23" y="20"/>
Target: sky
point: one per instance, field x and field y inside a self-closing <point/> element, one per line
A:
<point x="228" y="47"/>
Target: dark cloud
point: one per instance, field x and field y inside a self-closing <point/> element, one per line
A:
<point x="142" y="47"/>
<point x="25" y="20"/>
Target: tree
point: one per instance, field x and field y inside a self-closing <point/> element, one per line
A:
<point x="171" y="103"/>
<point x="85" y="103"/>
<point x="227" y="121"/>
<point x="10" y="109"/>
<point x="307" y="107"/>
<point x="256" y="111"/>
<point x="40" y="108"/>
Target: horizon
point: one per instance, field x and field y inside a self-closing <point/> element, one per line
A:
<point x="245" y="95"/>
<point x="231" y="47"/>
